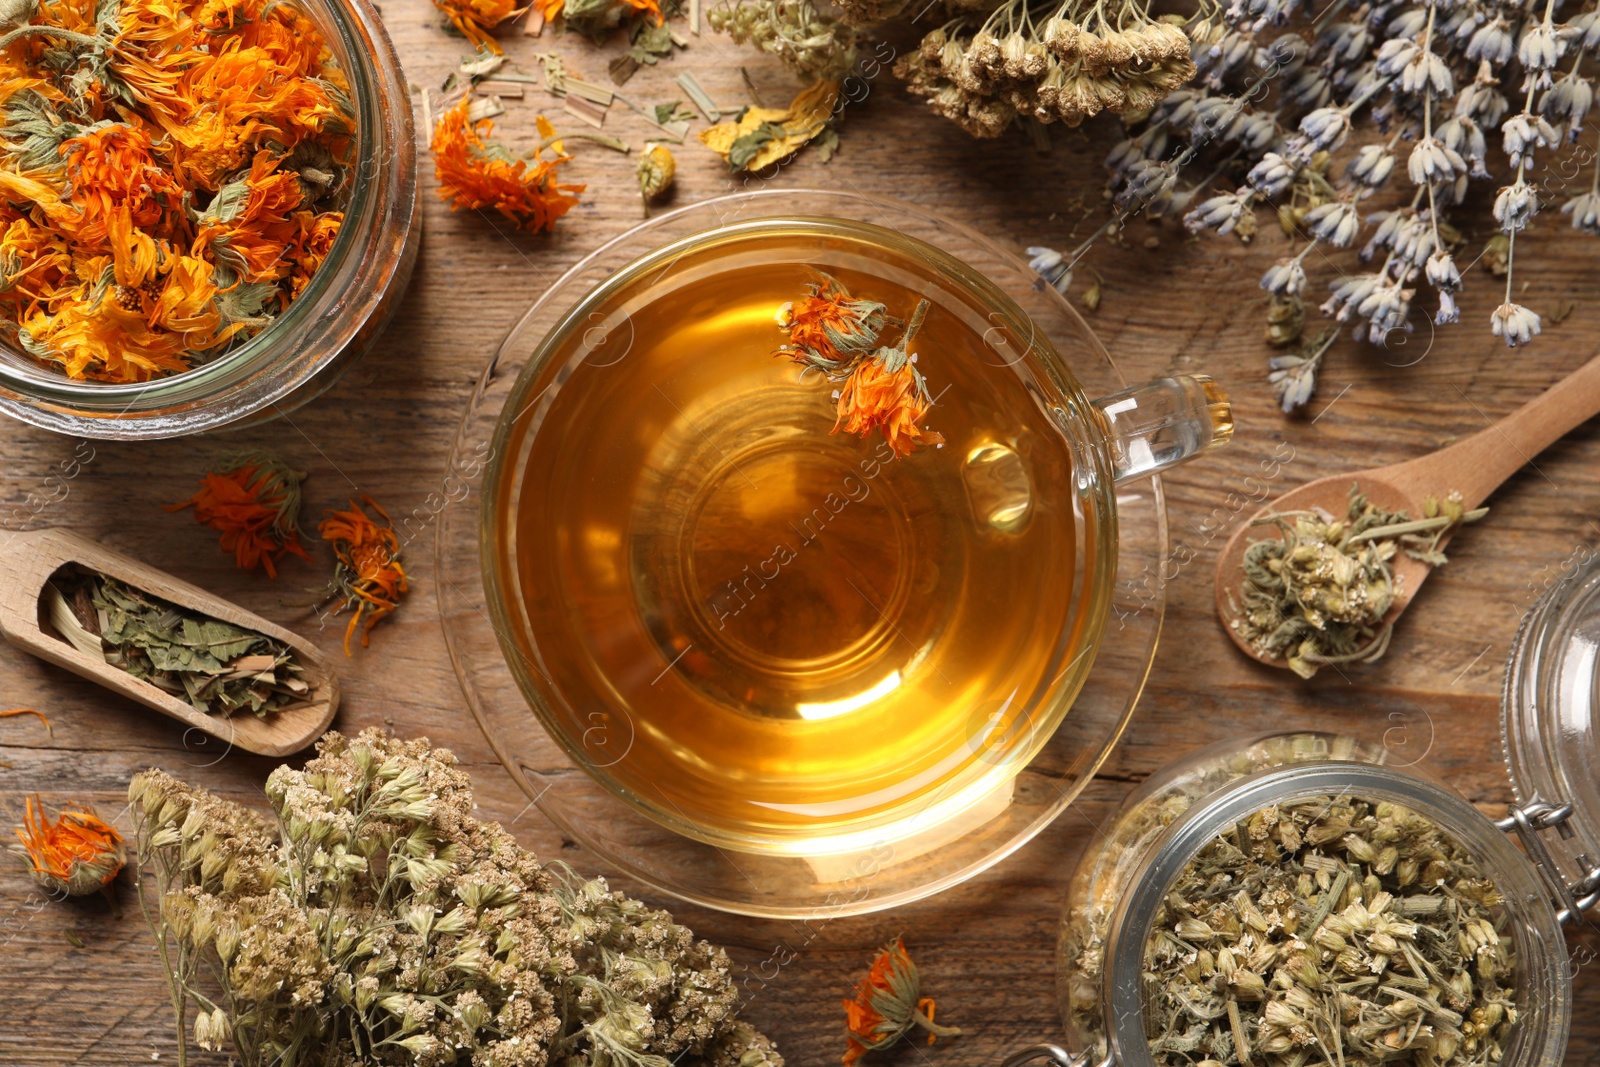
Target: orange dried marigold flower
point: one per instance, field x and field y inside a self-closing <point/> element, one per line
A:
<point x="476" y="172"/>
<point x="888" y="1005"/>
<point x="368" y="579"/>
<point x="828" y="325"/>
<point x="475" y="18"/>
<point x="76" y="853"/>
<point x="254" y="501"/>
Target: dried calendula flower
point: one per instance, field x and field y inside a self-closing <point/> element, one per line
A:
<point x="828" y="327"/>
<point x="655" y="172"/>
<point x="596" y="19"/>
<point x="1317" y="594"/>
<point x="253" y="500"/>
<point x="368" y="579"/>
<point x="75" y="853"/>
<point x="476" y="172"/>
<point x="889" y="1004"/>
<point x="763" y="136"/>
<point x="372" y="909"/>
<point x="881" y="389"/>
<point x="475" y="18"/>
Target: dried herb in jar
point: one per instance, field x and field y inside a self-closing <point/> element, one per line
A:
<point x="1331" y="931"/>
<point x="217" y="667"/>
<point x="1318" y="593"/>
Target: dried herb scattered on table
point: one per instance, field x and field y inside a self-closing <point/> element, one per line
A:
<point x="171" y="178"/>
<point x="476" y="172"/>
<point x="368" y="579"/>
<point x="1331" y="932"/>
<point x="374" y="920"/>
<point x="75" y="854"/>
<point x="762" y="136"/>
<point x="1317" y="594"/>
<point x="217" y="667"/>
<point x="253" y="500"/>
<point x="889" y="1005"/>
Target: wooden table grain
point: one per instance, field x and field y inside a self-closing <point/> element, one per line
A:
<point x="80" y="986"/>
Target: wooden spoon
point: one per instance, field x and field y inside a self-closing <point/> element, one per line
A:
<point x="1473" y="467"/>
<point x="30" y="559"/>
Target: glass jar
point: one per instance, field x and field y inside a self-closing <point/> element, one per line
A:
<point x="1119" y="887"/>
<point x="325" y="330"/>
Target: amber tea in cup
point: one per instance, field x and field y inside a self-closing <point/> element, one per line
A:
<point x="773" y="636"/>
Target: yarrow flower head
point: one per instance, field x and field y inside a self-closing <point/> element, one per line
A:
<point x="373" y="907"/>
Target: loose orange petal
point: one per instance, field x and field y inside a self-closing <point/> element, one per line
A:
<point x="29" y="711"/>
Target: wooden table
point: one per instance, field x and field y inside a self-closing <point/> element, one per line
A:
<point x="1170" y="303"/>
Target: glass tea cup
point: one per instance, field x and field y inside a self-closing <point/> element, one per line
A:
<point x="808" y="660"/>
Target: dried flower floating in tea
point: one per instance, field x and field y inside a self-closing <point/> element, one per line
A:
<point x="170" y="182"/>
<point x="762" y="136"/>
<point x="374" y="920"/>
<point x="75" y="854"/>
<point x="889" y="1005"/>
<point x="476" y="172"/>
<point x="368" y="579"/>
<point x="881" y="389"/>
<point x="1318" y="593"/>
<point x="1331" y="931"/>
<point x="217" y="667"/>
<point x="254" y="501"/>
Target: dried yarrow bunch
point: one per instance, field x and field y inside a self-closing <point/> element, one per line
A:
<point x="1047" y="62"/>
<point x="374" y="921"/>
<point x="989" y="65"/>
<point x="1451" y="93"/>
<point x="808" y="42"/>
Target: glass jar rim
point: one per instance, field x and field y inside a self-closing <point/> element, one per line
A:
<point x="383" y="190"/>
<point x="1540" y="1037"/>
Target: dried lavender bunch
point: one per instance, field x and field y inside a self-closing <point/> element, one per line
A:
<point x="1049" y="62"/>
<point x="808" y="42"/>
<point x="1280" y="95"/>
<point x="375" y="921"/>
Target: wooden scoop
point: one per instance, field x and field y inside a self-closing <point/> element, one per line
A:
<point x="29" y="560"/>
<point x="1473" y="467"/>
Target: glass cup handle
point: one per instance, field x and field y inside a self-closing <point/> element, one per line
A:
<point x="1152" y="427"/>
<point x="1054" y="1054"/>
